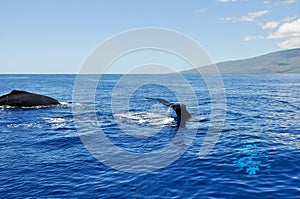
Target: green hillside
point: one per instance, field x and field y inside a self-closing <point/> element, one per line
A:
<point x="286" y="61"/>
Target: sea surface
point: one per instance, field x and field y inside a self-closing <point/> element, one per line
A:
<point x="43" y="155"/>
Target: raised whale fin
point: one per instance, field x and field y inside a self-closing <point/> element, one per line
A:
<point x="180" y="109"/>
<point x="164" y="102"/>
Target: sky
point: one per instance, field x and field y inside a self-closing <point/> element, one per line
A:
<point x="56" y="36"/>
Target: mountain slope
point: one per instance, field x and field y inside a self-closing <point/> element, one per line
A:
<point x="286" y="61"/>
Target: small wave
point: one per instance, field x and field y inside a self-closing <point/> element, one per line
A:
<point x="62" y="104"/>
<point x="57" y="122"/>
<point x="17" y="77"/>
<point x="25" y="125"/>
<point x="74" y="104"/>
<point x="54" y="120"/>
<point x="287" y="140"/>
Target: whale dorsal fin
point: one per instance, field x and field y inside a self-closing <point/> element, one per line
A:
<point x="17" y="92"/>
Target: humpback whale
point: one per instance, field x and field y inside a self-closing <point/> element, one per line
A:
<point x="18" y="98"/>
<point x="180" y="109"/>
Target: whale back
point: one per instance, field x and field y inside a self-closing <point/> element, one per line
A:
<point x="17" y="92"/>
<point x="19" y="98"/>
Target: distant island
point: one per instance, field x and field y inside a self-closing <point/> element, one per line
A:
<point x="286" y="61"/>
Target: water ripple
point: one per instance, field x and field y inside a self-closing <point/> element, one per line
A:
<point x="256" y="156"/>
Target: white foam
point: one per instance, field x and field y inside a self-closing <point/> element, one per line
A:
<point x="147" y="118"/>
<point x="36" y="107"/>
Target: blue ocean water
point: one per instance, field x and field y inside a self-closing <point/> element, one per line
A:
<point x="256" y="156"/>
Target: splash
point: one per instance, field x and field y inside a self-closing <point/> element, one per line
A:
<point x="144" y="118"/>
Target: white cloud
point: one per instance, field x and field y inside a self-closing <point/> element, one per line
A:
<point x="251" y="38"/>
<point x="270" y="25"/>
<point x="290" y="43"/>
<point x="289" y="19"/>
<point x="289" y="1"/>
<point x="251" y="16"/>
<point x="275" y="24"/>
<point x="202" y="10"/>
<point x="286" y="30"/>
<point x="225" y="1"/>
<point x="289" y="32"/>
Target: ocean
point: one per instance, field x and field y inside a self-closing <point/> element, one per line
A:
<point x="45" y="152"/>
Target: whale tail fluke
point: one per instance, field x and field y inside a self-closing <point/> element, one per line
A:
<point x="180" y="109"/>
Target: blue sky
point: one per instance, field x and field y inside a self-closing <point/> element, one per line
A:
<point x="56" y="36"/>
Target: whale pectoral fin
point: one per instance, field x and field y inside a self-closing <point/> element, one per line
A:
<point x="164" y="102"/>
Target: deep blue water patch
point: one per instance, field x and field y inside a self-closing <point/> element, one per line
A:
<point x="256" y="156"/>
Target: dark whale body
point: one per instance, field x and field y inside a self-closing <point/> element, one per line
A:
<point x="18" y="98"/>
<point x="180" y="109"/>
